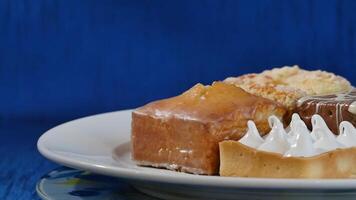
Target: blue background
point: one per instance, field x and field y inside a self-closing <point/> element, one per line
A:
<point x="65" y="59"/>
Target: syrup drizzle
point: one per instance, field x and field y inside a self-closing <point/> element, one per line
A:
<point x="340" y="99"/>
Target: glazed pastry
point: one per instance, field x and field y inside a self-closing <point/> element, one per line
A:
<point x="287" y="84"/>
<point x="296" y="153"/>
<point x="333" y="108"/>
<point x="183" y="133"/>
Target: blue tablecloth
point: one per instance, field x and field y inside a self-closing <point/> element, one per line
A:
<point x="21" y="165"/>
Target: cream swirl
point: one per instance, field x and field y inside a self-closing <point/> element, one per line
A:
<point x="276" y="141"/>
<point x="347" y="134"/>
<point x="325" y="140"/>
<point x="252" y="138"/>
<point x="299" y="141"/>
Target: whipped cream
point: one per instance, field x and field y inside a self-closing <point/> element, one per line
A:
<point x="252" y="138"/>
<point x="276" y="141"/>
<point x="300" y="142"/>
<point x="347" y="134"/>
<point x="325" y="140"/>
<point x="297" y="140"/>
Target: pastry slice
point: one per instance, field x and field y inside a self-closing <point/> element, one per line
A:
<point x="240" y="160"/>
<point x="287" y="84"/>
<point x="297" y="153"/>
<point x="334" y="108"/>
<point x="183" y="133"/>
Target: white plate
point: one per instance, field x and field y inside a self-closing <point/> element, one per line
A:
<point x="89" y="143"/>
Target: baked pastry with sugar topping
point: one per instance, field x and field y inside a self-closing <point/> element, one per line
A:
<point x="183" y="133"/>
<point x="287" y="84"/>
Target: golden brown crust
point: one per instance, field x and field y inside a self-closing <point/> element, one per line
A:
<point x="237" y="159"/>
<point x="183" y="132"/>
<point x="287" y="84"/>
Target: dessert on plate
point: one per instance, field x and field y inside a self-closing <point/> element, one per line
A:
<point x="287" y="84"/>
<point x="183" y="133"/>
<point x="334" y="108"/>
<point x="297" y="153"/>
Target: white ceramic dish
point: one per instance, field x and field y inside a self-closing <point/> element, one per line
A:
<point x="89" y="143"/>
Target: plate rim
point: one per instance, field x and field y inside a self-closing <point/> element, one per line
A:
<point x="197" y="180"/>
